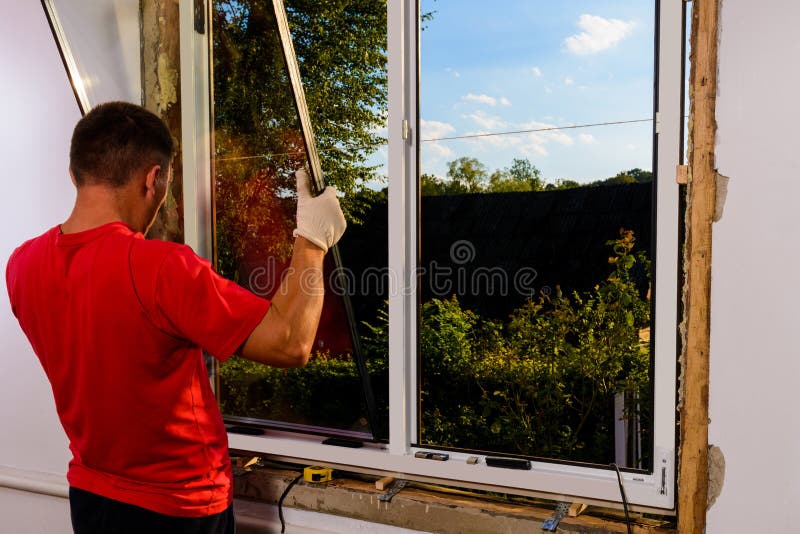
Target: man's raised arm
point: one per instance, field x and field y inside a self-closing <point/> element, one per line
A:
<point x="285" y="335"/>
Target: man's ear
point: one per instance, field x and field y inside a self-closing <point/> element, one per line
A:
<point x="152" y="178"/>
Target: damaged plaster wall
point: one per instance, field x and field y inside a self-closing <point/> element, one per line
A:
<point x="755" y="288"/>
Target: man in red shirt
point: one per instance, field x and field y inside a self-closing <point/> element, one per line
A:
<point x="120" y="323"/>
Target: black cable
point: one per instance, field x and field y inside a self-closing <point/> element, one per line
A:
<point x="624" y="498"/>
<point x="283" y="496"/>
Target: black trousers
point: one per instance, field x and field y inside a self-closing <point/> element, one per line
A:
<point x="94" y="514"/>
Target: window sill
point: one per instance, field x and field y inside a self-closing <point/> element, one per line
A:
<point x="422" y="509"/>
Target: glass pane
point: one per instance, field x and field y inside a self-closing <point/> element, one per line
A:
<point x="258" y="143"/>
<point x="103" y="39"/>
<point x="536" y="162"/>
<point x="127" y="50"/>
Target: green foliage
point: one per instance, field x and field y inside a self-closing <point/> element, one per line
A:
<point x="325" y="392"/>
<point x="469" y="175"/>
<point x="544" y="383"/>
<point x="562" y="184"/>
<point x="466" y="175"/>
<point x="341" y="51"/>
<point x="540" y="384"/>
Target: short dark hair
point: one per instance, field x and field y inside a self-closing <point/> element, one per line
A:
<point x="115" y="140"/>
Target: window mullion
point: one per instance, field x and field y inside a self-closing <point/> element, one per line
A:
<point x="402" y="171"/>
<point x="195" y="125"/>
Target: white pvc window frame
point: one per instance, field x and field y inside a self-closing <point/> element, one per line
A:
<point x="653" y="491"/>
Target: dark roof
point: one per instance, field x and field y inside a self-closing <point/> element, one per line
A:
<point x="561" y="235"/>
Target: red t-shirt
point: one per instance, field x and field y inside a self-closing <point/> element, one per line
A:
<point x="119" y="324"/>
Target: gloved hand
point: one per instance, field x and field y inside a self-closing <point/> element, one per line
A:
<point x="319" y="219"/>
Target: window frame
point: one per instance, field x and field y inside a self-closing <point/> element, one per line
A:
<point x="653" y="491"/>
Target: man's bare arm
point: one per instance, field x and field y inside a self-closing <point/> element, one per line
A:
<point x="285" y="335"/>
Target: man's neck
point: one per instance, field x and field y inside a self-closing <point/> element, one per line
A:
<point x="96" y="205"/>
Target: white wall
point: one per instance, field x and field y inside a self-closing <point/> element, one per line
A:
<point x="24" y="512"/>
<point x="755" y="324"/>
<point x="39" y="111"/>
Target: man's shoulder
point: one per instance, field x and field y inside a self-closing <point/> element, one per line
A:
<point x="153" y="254"/>
<point x="31" y="244"/>
<point x="157" y="249"/>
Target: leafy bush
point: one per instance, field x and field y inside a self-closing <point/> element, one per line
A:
<point x="544" y="383"/>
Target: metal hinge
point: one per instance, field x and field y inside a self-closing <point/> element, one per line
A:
<point x="406" y="130"/>
<point x="658" y="122"/>
<point x="663" y="471"/>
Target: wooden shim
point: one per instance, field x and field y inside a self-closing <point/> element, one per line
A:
<point x="693" y="460"/>
<point x="682" y="175"/>
<point x="383" y="483"/>
<point x="576" y="509"/>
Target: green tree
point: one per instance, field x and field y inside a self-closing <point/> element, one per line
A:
<point x="521" y="176"/>
<point x="431" y="185"/>
<point x="562" y="183"/>
<point x="341" y="51"/>
<point x="522" y="170"/>
<point x="467" y="175"/>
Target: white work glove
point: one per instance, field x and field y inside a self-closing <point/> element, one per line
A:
<point x="319" y="219"/>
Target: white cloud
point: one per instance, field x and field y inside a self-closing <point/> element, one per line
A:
<point x="556" y="136"/>
<point x="485" y="121"/>
<point x="537" y="72"/>
<point x="587" y="139"/>
<point x="453" y="72"/>
<point x="481" y="99"/>
<point x="486" y="99"/>
<point x="433" y="151"/>
<point x="435" y="129"/>
<point x="569" y="81"/>
<point x="535" y="145"/>
<point x="598" y="34"/>
<point x="548" y="90"/>
<point x="496" y="142"/>
<point x="437" y="151"/>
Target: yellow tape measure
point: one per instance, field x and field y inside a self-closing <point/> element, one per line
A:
<point x="317" y="474"/>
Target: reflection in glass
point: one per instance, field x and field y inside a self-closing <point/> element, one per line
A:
<point x="535" y="305"/>
<point x="258" y="143"/>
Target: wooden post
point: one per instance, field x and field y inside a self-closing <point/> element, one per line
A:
<point x="161" y="94"/>
<point x="693" y="470"/>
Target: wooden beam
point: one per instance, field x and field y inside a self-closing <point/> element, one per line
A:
<point x="693" y="470"/>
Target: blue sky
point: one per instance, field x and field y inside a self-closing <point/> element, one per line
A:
<point x="527" y="64"/>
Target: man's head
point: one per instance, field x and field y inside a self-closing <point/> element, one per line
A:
<point x="127" y="151"/>
<point x="116" y="140"/>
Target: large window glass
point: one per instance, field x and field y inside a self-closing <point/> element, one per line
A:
<point x="536" y="181"/>
<point x="261" y="135"/>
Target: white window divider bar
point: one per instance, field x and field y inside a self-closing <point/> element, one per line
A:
<point x="195" y="132"/>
